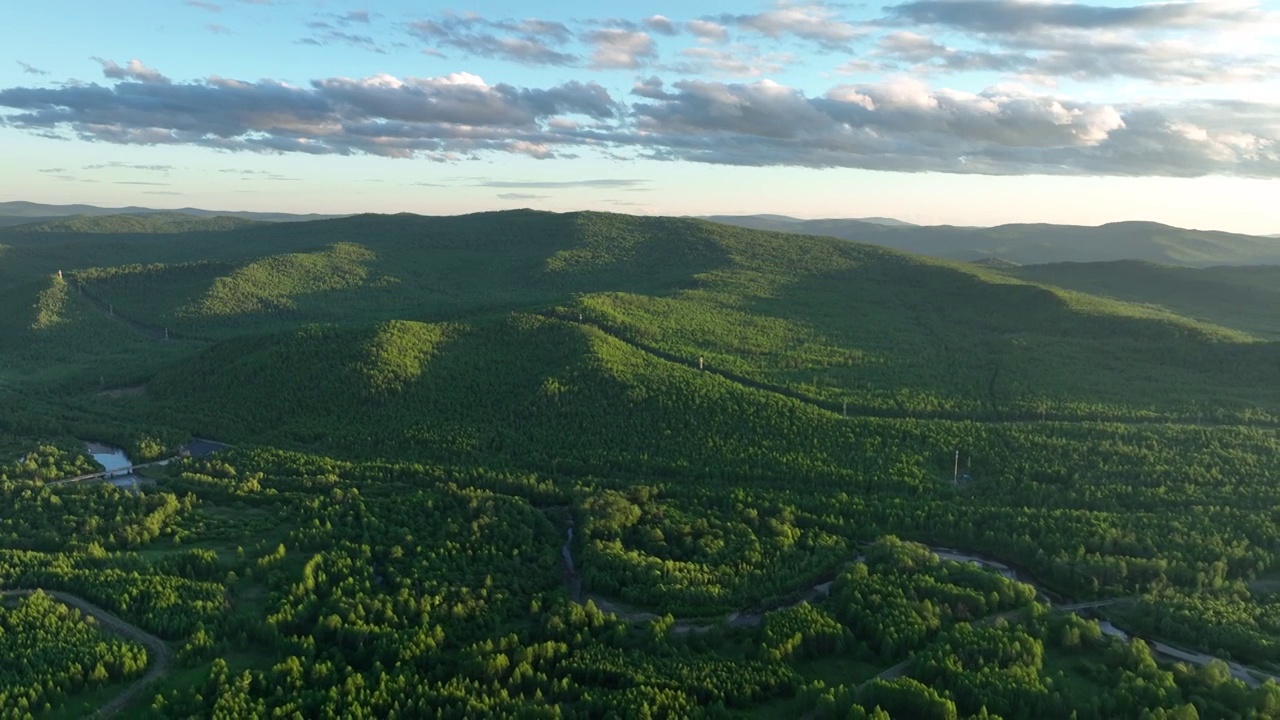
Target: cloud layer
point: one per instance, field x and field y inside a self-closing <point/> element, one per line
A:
<point x="900" y="125"/>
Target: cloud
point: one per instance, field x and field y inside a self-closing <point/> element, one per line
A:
<point x="815" y="22"/>
<point x="616" y="48"/>
<point x="900" y="124"/>
<point x="529" y="42"/>
<point x="434" y="118"/>
<point x="211" y="7"/>
<point x="708" y="31"/>
<point x="1019" y="16"/>
<point x="31" y="69"/>
<point x="1086" y="56"/>
<point x="521" y="196"/>
<point x="139" y="182"/>
<point x="340" y="37"/>
<point x="737" y="61"/>
<point x="903" y="125"/>
<point x="562" y="184"/>
<point x="661" y="25"/>
<point x="134" y="70"/>
<point x="129" y="166"/>
<point x="356" y="16"/>
<point x="217" y="29"/>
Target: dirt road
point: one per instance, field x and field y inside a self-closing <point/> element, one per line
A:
<point x="157" y="651"/>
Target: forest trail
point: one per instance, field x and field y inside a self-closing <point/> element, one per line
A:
<point x="850" y="411"/>
<point x="159" y="654"/>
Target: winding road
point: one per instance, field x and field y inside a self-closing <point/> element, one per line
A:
<point x="750" y="618"/>
<point x="158" y="653"/>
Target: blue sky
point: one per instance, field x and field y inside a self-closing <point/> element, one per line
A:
<point x="934" y="111"/>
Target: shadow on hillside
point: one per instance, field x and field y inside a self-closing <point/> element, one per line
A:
<point x="1008" y="348"/>
<point x="424" y="268"/>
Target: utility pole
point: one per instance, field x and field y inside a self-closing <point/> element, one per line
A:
<point x="845" y="411"/>
<point x="955" y="476"/>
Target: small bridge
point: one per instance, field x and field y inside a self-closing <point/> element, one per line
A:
<point x="109" y="474"/>
<point x="197" y="448"/>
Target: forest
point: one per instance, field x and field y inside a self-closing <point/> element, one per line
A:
<point x="588" y="465"/>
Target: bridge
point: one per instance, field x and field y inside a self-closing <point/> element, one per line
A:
<point x="109" y="474"/>
<point x="197" y="448"/>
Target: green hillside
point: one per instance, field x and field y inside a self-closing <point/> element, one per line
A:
<point x="122" y="224"/>
<point x="1242" y="298"/>
<point x="829" y="321"/>
<point x="1041" y="243"/>
<point x="527" y="464"/>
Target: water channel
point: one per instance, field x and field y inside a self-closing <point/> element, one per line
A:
<point x="114" y="458"/>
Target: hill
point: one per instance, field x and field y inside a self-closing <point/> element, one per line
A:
<point x="127" y="224"/>
<point x="11" y="211"/>
<point x="840" y="323"/>
<point x="782" y="222"/>
<point x="1045" y="243"/>
<point x="527" y="464"/>
<point x="1243" y="298"/>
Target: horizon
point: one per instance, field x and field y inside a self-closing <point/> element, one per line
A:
<point x="871" y="219"/>
<point x="934" y="112"/>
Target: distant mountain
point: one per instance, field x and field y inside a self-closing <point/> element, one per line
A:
<point x="135" y="224"/>
<point x="1032" y="244"/>
<point x="20" y="212"/>
<point x="787" y="223"/>
<point x="1240" y="298"/>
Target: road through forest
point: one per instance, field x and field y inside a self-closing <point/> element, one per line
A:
<point x="158" y="655"/>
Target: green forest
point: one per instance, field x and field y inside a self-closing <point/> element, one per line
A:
<point x="586" y="465"/>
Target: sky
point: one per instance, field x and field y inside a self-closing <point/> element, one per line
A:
<point x="967" y="112"/>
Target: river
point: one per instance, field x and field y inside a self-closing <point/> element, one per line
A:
<point x="114" y="458"/>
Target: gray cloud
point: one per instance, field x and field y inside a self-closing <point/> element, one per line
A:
<point x="134" y="70"/>
<point x="902" y="125"/>
<point x="356" y="16"/>
<point x="1019" y="16"/>
<point x="735" y="61"/>
<point x="129" y="166"/>
<point x="139" y="182"/>
<point x="615" y="48"/>
<point x="211" y="7"/>
<point x="31" y="69"/>
<point x="1084" y="56"/>
<point x="905" y="126"/>
<point x="434" y="118"/>
<point x="815" y="22"/>
<point x="530" y="42"/>
<point x="562" y="184"/>
<point x="708" y="30"/>
<point x="661" y="25"/>
<point x="217" y="29"/>
<point x="333" y="36"/>
<point x="521" y="196"/>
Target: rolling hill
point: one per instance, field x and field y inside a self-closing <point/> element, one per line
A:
<point x="1242" y="298"/>
<point x="535" y="464"/>
<point x="20" y="212"/>
<point x="841" y="324"/>
<point x="1043" y="243"/>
